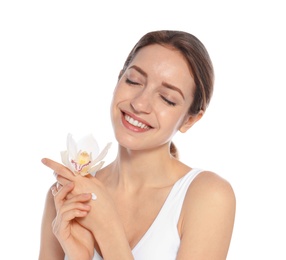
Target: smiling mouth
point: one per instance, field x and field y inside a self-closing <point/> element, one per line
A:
<point x="136" y="123"/>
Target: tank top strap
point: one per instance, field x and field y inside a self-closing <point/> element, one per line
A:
<point x="177" y="195"/>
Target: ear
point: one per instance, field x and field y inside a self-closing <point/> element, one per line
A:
<point x="190" y="120"/>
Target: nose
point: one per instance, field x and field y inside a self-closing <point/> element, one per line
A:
<point x="142" y="102"/>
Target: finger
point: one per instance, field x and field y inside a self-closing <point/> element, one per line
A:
<point x="59" y="186"/>
<point x="61" y="194"/>
<point x="58" y="169"/>
<point x="64" y="194"/>
<point x="89" y="196"/>
<point x="61" y="224"/>
<point x="82" y="198"/>
<point x="54" y="190"/>
<point x="62" y="181"/>
<point x="56" y="187"/>
<point x="75" y="213"/>
<point x="77" y="203"/>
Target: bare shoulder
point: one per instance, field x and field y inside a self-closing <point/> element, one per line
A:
<point x="209" y="193"/>
<point x="211" y="188"/>
<point x="207" y="218"/>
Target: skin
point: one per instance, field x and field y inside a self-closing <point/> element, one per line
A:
<point x="132" y="189"/>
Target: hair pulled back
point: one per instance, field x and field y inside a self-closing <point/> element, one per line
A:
<point x="196" y="56"/>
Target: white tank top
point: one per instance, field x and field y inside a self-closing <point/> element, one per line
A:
<point x="162" y="240"/>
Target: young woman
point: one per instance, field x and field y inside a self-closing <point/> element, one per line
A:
<point x="149" y="204"/>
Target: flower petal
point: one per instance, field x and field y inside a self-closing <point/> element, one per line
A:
<point x="66" y="161"/>
<point x="95" y="168"/>
<point x="88" y="144"/>
<point x="65" y="157"/>
<point x="101" y="155"/>
<point x="73" y="156"/>
<point x="71" y="146"/>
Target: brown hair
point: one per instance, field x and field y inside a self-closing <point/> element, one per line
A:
<point x="197" y="57"/>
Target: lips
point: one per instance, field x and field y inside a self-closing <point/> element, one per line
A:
<point x="134" y="123"/>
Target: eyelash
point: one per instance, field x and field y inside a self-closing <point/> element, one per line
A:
<point x="168" y="101"/>
<point x="128" y="81"/>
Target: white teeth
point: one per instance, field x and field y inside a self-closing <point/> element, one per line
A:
<point x="134" y="122"/>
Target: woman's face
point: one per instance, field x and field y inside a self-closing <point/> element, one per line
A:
<point x="152" y="98"/>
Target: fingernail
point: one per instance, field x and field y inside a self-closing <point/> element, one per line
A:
<point x="43" y="161"/>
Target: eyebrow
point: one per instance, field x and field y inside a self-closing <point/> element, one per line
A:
<point x="165" y="84"/>
<point x="173" y="88"/>
<point x="139" y="70"/>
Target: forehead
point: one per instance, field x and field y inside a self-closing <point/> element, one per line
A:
<point x="165" y="63"/>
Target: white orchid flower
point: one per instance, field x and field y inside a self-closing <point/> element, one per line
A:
<point x="83" y="157"/>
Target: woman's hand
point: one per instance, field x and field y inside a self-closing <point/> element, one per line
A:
<point x="102" y="220"/>
<point x="102" y="212"/>
<point x="76" y="241"/>
<point x="65" y="175"/>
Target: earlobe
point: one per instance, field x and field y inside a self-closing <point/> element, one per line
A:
<point x="190" y="121"/>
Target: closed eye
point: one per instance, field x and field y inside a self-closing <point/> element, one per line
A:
<point x="168" y="101"/>
<point x="128" y="81"/>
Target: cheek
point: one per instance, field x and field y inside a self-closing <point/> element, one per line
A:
<point x="166" y="118"/>
<point x="117" y="97"/>
<point x="113" y="102"/>
<point x="171" y="119"/>
<point x="113" y="108"/>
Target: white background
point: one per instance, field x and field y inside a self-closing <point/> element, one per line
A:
<point x="59" y="62"/>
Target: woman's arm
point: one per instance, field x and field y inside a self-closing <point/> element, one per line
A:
<point x="102" y="219"/>
<point x="61" y="235"/>
<point x="76" y="241"/>
<point x="50" y="248"/>
<point x="207" y="219"/>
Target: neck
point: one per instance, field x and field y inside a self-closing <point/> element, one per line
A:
<point x="148" y="168"/>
